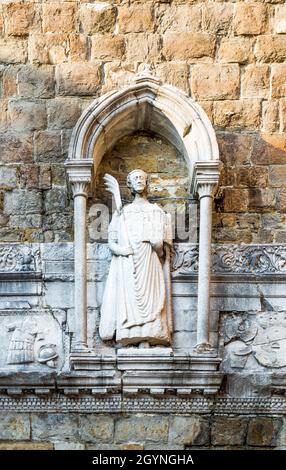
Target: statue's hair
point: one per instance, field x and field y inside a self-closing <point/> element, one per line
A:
<point x="129" y="184"/>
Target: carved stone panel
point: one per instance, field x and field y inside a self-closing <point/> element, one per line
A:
<point x="254" y="341"/>
<point x="31" y="341"/>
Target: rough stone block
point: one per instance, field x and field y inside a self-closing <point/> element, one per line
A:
<point x="58" y="17"/>
<point x="235" y="148"/>
<point x="236" y="49"/>
<point x="107" y="47"/>
<point x="50" y="426"/>
<point x="10" y="80"/>
<point x="277" y="176"/>
<point x="96" y="428"/>
<point x="48" y="48"/>
<point x="179" y="18"/>
<point x="237" y="113"/>
<point x="27" y="115"/>
<point x="25" y="445"/>
<point x="141" y="429"/>
<point x="36" y="82"/>
<point x="280" y="19"/>
<point x="252" y="177"/>
<point x="188" y="431"/>
<point x="188" y="46"/>
<point x="270" y="117"/>
<point x="270" y="48"/>
<point x="262" y="431"/>
<point x="13" y="51"/>
<point x="217" y="17"/>
<point x="229" y="431"/>
<point x="235" y="200"/>
<point x="282" y="113"/>
<point x="97" y="18"/>
<point x="8" y="177"/>
<point x="63" y="113"/>
<point x="269" y="149"/>
<point x="48" y="147"/>
<point x="78" y="79"/>
<point x="176" y="74"/>
<point x="78" y="47"/>
<point x="62" y="445"/>
<point x="14" y="426"/>
<point x="143" y="47"/>
<point x="20" y="201"/>
<point x="256" y="81"/>
<point x="45" y="177"/>
<point x="29" y="176"/>
<point x="281" y="200"/>
<point x="25" y="221"/>
<point x="261" y="198"/>
<point x="278" y="80"/>
<point x="215" y="81"/>
<point x="15" y="147"/>
<point x="56" y="200"/>
<point x="250" y="18"/>
<point x="136" y="19"/>
<point x="21" y="19"/>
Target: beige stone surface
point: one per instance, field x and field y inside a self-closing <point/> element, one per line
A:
<point x="78" y="78"/>
<point x="107" y="47"/>
<point x="13" y="51"/>
<point x="97" y="17"/>
<point x="250" y="18"/>
<point x="237" y="49"/>
<point x="22" y="18"/>
<point x="215" y="81"/>
<point x="255" y="82"/>
<point x="237" y="113"/>
<point x="218" y="17"/>
<point x="270" y="116"/>
<point x="136" y="18"/>
<point x="270" y="48"/>
<point x="278" y="80"/>
<point x="59" y="17"/>
<point x="26" y="445"/>
<point x="188" y="46"/>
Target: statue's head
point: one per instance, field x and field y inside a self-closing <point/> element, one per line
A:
<point x="137" y="181"/>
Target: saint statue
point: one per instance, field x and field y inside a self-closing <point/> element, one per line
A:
<point x="136" y="306"/>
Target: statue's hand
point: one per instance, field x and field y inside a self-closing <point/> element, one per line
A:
<point x="126" y="251"/>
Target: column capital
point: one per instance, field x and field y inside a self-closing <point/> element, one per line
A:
<point x="79" y="175"/>
<point x="205" y="177"/>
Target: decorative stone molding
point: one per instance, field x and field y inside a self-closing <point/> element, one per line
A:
<point x="232" y="259"/>
<point x="144" y="404"/>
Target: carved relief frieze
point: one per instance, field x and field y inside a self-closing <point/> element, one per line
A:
<point x="254" y="340"/>
<point x="19" y="258"/>
<point x="232" y="259"/>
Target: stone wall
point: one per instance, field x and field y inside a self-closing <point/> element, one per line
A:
<point x="110" y="432"/>
<point x="56" y="57"/>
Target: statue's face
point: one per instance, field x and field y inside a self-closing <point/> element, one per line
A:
<point x="139" y="181"/>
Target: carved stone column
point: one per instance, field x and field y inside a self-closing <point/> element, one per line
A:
<point x="79" y="173"/>
<point x="205" y="192"/>
<point x="204" y="182"/>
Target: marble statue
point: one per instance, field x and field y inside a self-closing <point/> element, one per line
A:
<point x="136" y="307"/>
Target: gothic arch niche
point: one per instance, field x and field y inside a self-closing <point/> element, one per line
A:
<point x="145" y="105"/>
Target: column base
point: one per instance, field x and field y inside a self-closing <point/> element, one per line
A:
<point x="80" y="346"/>
<point x="203" y="348"/>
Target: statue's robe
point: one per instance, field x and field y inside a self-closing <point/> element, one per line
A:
<point x="136" y="304"/>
